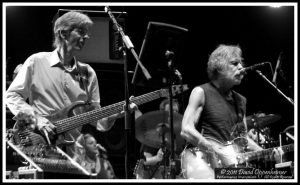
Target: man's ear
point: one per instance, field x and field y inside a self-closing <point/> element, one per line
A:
<point x="63" y="34"/>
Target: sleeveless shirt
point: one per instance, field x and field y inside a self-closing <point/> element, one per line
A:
<point x="220" y="116"/>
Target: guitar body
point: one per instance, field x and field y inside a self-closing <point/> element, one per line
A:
<point x="197" y="163"/>
<point x="68" y="137"/>
<point x="28" y="135"/>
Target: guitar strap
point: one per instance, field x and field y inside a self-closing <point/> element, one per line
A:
<point x="239" y="114"/>
<point x="238" y="129"/>
<point x="83" y="78"/>
<point x="235" y="102"/>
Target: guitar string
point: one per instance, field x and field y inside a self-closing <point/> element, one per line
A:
<point x="91" y="116"/>
<point x="94" y="116"/>
<point x="107" y="107"/>
<point x="266" y="151"/>
<point x="100" y="113"/>
<point x="111" y="109"/>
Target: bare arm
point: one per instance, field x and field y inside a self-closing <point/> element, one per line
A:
<point x="252" y="146"/>
<point x="152" y="160"/>
<point x="191" y="117"/>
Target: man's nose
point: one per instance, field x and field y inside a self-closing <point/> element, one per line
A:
<point x="86" y="36"/>
<point x="240" y="67"/>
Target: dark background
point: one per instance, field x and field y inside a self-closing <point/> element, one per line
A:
<point x="261" y="31"/>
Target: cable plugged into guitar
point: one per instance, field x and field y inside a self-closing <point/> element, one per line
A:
<point x="46" y="135"/>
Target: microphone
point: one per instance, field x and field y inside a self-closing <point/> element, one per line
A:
<point x="125" y="38"/>
<point x="253" y="67"/>
<point x="107" y="9"/>
<point x="178" y="74"/>
<point x="277" y="68"/>
<point x="101" y="148"/>
<point x="169" y="55"/>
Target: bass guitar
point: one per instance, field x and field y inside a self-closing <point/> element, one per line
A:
<point x="75" y="116"/>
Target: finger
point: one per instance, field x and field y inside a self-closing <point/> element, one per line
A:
<point x="275" y="151"/>
<point x="32" y="126"/>
<point x="280" y="151"/>
<point x="53" y="127"/>
<point x="133" y="106"/>
<point x="49" y="130"/>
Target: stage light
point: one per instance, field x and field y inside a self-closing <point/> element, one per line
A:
<point x="275" y="5"/>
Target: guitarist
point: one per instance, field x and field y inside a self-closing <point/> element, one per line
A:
<point x="214" y="108"/>
<point x="54" y="80"/>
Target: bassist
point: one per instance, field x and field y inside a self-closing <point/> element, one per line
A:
<point x="54" y="80"/>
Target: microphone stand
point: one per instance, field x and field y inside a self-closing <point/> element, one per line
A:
<point x="128" y="44"/>
<point x="285" y="80"/>
<point x="169" y="56"/>
<point x="281" y="93"/>
<point x="127" y="116"/>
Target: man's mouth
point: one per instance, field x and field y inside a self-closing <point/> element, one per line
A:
<point x="239" y="75"/>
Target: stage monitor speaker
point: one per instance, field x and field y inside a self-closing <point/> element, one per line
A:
<point x="159" y="38"/>
<point x="105" y="41"/>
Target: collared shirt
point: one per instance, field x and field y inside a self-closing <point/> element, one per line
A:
<point x="49" y="86"/>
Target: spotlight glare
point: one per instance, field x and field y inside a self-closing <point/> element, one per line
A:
<point x="275" y="6"/>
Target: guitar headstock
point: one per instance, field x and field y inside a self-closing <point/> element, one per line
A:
<point x="176" y="89"/>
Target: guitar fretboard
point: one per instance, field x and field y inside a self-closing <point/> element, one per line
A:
<point x="97" y="114"/>
<point x="266" y="152"/>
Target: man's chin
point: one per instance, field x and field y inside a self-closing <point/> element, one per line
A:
<point x="78" y="47"/>
<point x="238" y="82"/>
<point x="77" y="50"/>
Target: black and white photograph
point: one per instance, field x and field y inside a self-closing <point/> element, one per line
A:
<point x="149" y="92"/>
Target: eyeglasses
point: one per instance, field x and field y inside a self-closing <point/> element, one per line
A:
<point x="82" y="32"/>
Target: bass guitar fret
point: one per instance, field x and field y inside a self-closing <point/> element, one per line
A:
<point x="64" y="121"/>
<point x="88" y="117"/>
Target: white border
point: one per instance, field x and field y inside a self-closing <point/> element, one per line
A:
<point x="4" y="5"/>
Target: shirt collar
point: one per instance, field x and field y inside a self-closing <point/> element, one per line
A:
<point x="55" y="60"/>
